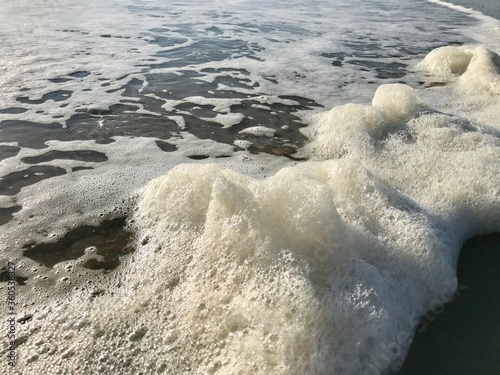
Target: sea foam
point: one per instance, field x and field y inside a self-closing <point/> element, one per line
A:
<point x="256" y="264"/>
<point x="326" y="266"/>
<point x="323" y="268"/>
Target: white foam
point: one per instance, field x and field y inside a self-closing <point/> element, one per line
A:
<point x="473" y="72"/>
<point x="181" y="122"/>
<point x="242" y="143"/>
<point x="325" y="267"/>
<point x="258" y="131"/>
<point x="312" y="260"/>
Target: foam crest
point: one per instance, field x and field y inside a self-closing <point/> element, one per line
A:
<point x="399" y="102"/>
<point x="477" y="67"/>
<point x="355" y="127"/>
<point x="483" y="71"/>
<point x="448" y="59"/>
<point x="265" y="259"/>
<point x="344" y="129"/>
<point x="476" y="81"/>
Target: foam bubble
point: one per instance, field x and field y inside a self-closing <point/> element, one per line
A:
<point x="477" y="67"/>
<point x="398" y="101"/>
<point x="344" y="129"/>
<point x="474" y="75"/>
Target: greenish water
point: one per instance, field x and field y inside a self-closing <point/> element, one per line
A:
<point x="463" y="337"/>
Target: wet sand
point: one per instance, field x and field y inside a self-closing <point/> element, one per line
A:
<point x="463" y="337"/>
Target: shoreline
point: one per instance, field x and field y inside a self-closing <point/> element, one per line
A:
<point x="485" y="7"/>
<point x="463" y="336"/>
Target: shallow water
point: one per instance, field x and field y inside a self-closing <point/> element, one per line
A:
<point x="488" y="7"/>
<point x="209" y="190"/>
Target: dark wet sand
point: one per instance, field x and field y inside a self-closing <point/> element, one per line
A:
<point x="463" y="337"/>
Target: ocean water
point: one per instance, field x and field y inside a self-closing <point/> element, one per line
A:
<point x="240" y="187"/>
<point x="488" y="7"/>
